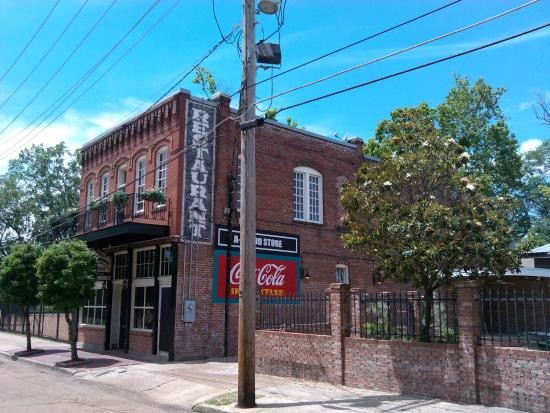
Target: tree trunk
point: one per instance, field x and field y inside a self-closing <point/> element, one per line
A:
<point x="28" y="324"/>
<point x="427" y="316"/>
<point x="71" y="323"/>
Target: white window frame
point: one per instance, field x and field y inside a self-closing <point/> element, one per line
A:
<point x="121" y="176"/>
<point x="141" y="283"/>
<point x="103" y="192"/>
<point x="141" y="168"/>
<point x="308" y="215"/>
<point x="342" y="274"/>
<point x="92" y="303"/>
<point x="161" y="175"/>
<point x="117" y="254"/>
<point x="163" y="262"/>
<point x="238" y="185"/>
<point x="90" y="192"/>
<point x="135" y="262"/>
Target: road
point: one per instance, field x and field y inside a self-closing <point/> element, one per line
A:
<point x="26" y="388"/>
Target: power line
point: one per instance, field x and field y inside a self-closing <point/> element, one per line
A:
<point x="90" y="31"/>
<point x="52" y="108"/>
<point x="364" y="39"/>
<point x="8" y="70"/>
<point x="45" y="54"/>
<point x="406" y="49"/>
<point x="90" y="71"/>
<point x="412" y="69"/>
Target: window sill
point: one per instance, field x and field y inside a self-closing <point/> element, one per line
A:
<point x="300" y="221"/>
<point x="141" y="332"/>
<point x="93" y="326"/>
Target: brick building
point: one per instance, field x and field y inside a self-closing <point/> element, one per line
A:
<point x="162" y="274"/>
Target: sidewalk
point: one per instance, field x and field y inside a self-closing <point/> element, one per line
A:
<point x="210" y="386"/>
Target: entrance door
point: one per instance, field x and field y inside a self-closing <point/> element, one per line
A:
<point x="164" y="319"/>
<point x="123" y="323"/>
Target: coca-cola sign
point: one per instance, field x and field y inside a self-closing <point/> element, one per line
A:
<point x="276" y="276"/>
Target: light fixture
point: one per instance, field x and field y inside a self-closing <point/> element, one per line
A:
<point x="268" y="6"/>
<point x="305" y="274"/>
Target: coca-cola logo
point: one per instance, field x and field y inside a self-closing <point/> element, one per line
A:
<point x="269" y="275"/>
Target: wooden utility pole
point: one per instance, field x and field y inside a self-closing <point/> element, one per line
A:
<point x="247" y="288"/>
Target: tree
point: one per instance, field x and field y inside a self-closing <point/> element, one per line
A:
<point x="18" y="280"/>
<point x="542" y="111"/>
<point x="205" y="79"/>
<point x="42" y="184"/>
<point x="66" y="273"/>
<point x="421" y="217"/>
<point x="472" y="116"/>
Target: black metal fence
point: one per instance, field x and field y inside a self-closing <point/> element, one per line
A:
<point x="401" y="316"/>
<point x="13" y="320"/>
<point x="515" y="318"/>
<point x="308" y="313"/>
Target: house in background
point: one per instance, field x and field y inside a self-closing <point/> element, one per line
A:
<point x="162" y="284"/>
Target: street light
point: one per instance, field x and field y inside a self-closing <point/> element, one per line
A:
<point x="268" y="6"/>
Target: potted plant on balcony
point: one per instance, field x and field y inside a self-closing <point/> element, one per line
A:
<point x="154" y="195"/>
<point x="98" y="204"/>
<point x="119" y="199"/>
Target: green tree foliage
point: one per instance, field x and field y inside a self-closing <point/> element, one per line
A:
<point x="536" y="179"/>
<point x="420" y="216"/>
<point x="66" y="272"/>
<point x="205" y="79"/>
<point x="40" y="186"/>
<point x="18" y="280"/>
<point x="472" y="116"/>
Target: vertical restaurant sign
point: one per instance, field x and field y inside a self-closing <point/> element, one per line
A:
<point x="276" y="276"/>
<point x="199" y="171"/>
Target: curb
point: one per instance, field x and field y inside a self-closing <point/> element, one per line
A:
<point x="37" y="363"/>
<point x="207" y="408"/>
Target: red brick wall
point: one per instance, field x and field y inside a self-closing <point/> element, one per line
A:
<point x="140" y="342"/>
<point x="514" y="377"/>
<point x="307" y="356"/>
<point x="92" y="336"/>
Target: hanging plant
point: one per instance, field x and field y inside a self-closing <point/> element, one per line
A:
<point x="119" y="199"/>
<point x="98" y="204"/>
<point x="154" y="195"/>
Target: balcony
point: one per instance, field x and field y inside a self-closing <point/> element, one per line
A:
<point x="111" y="224"/>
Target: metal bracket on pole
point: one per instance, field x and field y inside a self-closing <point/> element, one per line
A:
<point x="249" y="124"/>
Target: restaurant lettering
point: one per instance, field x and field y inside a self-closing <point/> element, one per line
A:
<point x="198" y="172"/>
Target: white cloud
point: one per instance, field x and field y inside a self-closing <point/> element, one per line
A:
<point x="529" y="145"/>
<point x="73" y="127"/>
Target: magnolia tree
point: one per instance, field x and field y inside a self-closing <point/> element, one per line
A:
<point x="18" y="280"/>
<point x="66" y="273"/>
<point x="420" y="218"/>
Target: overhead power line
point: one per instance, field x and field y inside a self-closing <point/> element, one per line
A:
<point x="56" y="105"/>
<point x="62" y="65"/>
<point x="364" y="39"/>
<point x="37" y="65"/>
<point x="89" y="72"/>
<point x="8" y="70"/>
<point x="412" y="69"/>
<point x="406" y="49"/>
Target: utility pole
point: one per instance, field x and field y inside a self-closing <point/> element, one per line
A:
<point x="247" y="287"/>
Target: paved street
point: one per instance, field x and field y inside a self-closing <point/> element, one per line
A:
<point x="27" y="388"/>
<point x="110" y="382"/>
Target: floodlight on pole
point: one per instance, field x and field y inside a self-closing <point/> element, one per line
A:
<point x="268" y="6"/>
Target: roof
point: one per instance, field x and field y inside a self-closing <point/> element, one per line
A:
<point x="545" y="249"/>
<point x="530" y="272"/>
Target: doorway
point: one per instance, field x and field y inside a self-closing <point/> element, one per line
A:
<point x="164" y="330"/>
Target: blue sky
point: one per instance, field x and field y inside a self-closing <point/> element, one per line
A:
<point x="311" y="28"/>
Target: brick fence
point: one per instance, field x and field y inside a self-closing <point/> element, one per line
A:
<point x="465" y="372"/>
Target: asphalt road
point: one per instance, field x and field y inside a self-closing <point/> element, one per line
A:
<point x="25" y="388"/>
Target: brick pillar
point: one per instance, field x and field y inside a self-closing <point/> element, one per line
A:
<point x="469" y="324"/>
<point x="339" y="328"/>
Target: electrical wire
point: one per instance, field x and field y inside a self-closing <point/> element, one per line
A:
<point x="412" y="69"/>
<point x="37" y="65"/>
<point x="364" y="39"/>
<point x="52" y="108"/>
<point x="406" y="49"/>
<point x="89" y="72"/>
<point x="8" y="70"/>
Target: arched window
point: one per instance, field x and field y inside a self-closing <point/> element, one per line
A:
<point x="161" y="169"/>
<point x="140" y="183"/>
<point x="104" y="188"/>
<point x="90" y="192"/>
<point x="121" y="176"/>
<point x="308" y="195"/>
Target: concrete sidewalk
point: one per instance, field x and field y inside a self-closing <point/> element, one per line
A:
<point x="210" y="386"/>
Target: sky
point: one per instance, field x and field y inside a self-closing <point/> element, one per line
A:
<point x="127" y="62"/>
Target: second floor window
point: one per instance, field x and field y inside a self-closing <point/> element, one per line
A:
<point x="162" y="169"/>
<point x="140" y="183"/>
<point x="307" y="195"/>
<point x="90" y="192"/>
